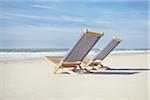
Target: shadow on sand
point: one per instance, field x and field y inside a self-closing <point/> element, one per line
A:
<point x="103" y="73"/>
<point x="134" y="69"/>
<point x="111" y="73"/>
<point x="119" y="71"/>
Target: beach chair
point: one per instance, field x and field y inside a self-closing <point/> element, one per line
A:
<point x="96" y="62"/>
<point x="75" y="56"/>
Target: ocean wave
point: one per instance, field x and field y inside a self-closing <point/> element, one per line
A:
<point x="34" y="55"/>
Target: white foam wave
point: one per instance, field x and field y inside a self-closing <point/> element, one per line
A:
<point x="27" y="55"/>
<point x="34" y="55"/>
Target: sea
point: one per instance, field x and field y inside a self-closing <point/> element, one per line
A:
<point x="21" y="54"/>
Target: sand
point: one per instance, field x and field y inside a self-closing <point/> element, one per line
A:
<point x="34" y="80"/>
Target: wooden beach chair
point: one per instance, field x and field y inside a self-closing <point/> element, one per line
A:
<point x="75" y="56"/>
<point x="96" y="62"/>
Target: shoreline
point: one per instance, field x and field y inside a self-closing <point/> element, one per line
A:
<point x="8" y="56"/>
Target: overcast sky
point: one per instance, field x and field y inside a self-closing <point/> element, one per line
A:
<point x="55" y="24"/>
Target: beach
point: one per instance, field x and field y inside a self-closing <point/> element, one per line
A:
<point x="33" y="79"/>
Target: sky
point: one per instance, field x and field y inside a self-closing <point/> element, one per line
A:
<point x="59" y="23"/>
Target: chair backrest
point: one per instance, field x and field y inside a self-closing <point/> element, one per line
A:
<point x="82" y="46"/>
<point x="115" y="41"/>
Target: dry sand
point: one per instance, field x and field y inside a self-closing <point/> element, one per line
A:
<point x="34" y="80"/>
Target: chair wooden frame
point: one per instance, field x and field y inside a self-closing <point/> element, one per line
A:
<point x="96" y="63"/>
<point x="77" y="64"/>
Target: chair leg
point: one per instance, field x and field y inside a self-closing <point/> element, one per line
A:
<point x="69" y="71"/>
<point x="57" y="67"/>
<point x="96" y="67"/>
<point x="82" y="67"/>
<point x="100" y="66"/>
<point x="74" y="69"/>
